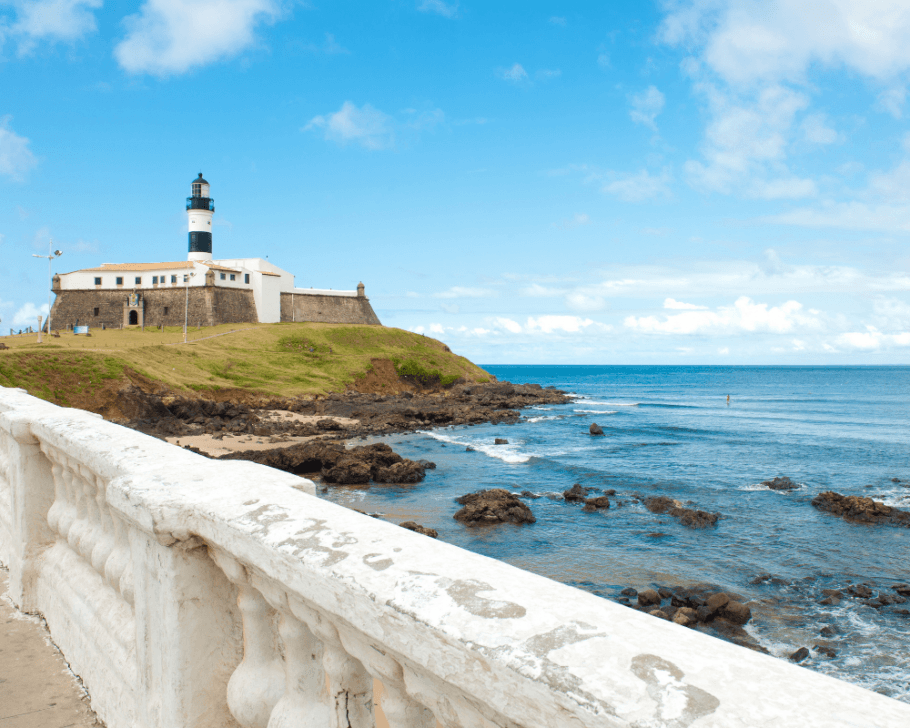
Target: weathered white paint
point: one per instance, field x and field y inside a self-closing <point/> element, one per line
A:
<point x="190" y="592"/>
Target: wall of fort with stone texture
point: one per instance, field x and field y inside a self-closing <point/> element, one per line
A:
<point x="208" y="306"/>
<point x="328" y="309"/>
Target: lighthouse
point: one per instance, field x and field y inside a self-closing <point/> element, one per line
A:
<point x="199" y="210"/>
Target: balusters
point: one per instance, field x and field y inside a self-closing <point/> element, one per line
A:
<point x="258" y="682"/>
<point x="403" y="712"/>
<point x="105" y="534"/>
<point x="305" y="701"/>
<point x="55" y="512"/>
<point x="68" y="512"/>
<point x="350" y="689"/>
<point x="117" y="561"/>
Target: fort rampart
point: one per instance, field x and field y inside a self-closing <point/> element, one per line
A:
<point x="208" y="306"/>
<point x="337" y="309"/>
<point x="193" y="593"/>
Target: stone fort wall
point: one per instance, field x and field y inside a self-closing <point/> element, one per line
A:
<point x="328" y="309"/>
<point x="208" y="306"/>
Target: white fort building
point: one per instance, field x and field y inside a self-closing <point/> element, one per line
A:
<point x="235" y="290"/>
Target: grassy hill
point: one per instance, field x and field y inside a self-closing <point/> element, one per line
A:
<point x="284" y="359"/>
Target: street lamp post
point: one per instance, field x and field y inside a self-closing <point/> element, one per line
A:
<point x="50" y="285"/>
<point x="186" y="308"/>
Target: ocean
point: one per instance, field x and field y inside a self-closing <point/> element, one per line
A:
<point x="670" y="431"/>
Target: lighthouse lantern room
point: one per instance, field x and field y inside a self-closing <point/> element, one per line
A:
<point x="199" y="210"/>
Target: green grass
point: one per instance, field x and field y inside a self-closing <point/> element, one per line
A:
<point x="278" y="359"/>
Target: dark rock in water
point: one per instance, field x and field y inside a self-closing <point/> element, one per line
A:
<point x="886" y="599"/>
<point x="656" y="534"/>
<point x="629" y="592"/>
<point x="704" y="613"/>
<point x="825" y="650"/>
<point x="830" y="601"/>
<point x="403" y="472"/>
<point x="601" y="502"/>
<point x="801" y="654"/>
<point x="861" y="591"/>
<point x="687" y="516"/>
<point x="648" y="597"/>
<point x="902" y="589"/>
<point x="904" y="612"/>
<point x="780" y="483"/>
<point x="469" y="449"/>
<point x="490" y="507"/>
<point x="327" y="425"/>
<point x="827" y="631"/>
<point x="575" y="494"/>
<point x="716" y="602"/>
<point x="624" y="601"/>
<point x="860" y="510"/>
<point x="664" y="592"/>
<point x="767" y="579"/>
<point x="660" y="614"/>
<point x="417" y="528"/>
<point x="347" y="471"/>
<point x="686" y="617"/>
<point x="736" y="612"/>
<point x="529" y="494"/>
<point x="611" y="491"/>
<point x="427" y="464"/>
<point x="833" y="593"/>
<point x="595" y="429"/>
<point x="500" y="441"/>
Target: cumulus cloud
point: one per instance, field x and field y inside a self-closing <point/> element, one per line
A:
<point x="745" y="315"/>
<point x="50" y="20"/>
<point x="555" y="323"/>
<point x="872" y="340"/>
<point x="16" y="159"/>
<point x="173" y="36"/>
<point x="28" y="315"/>
<point x="680" y="306"/>
<point x="365" y="126"/>
<point x="515" y="74"/>
<point x="447" y="10"/>
<point x="817" y="131"/>
<point x="646" y="106"/>
<point x="509" y="325"/>
<point x="462" y="292"/>
<point x="639" y="186"/>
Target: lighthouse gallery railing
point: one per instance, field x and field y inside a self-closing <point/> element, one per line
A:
<point x="190" y="592"/>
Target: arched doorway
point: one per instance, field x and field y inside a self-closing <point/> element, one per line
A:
<point x="134" y="318"/>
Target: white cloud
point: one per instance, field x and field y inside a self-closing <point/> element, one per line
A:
<point x="535" y="290"/>
<point x="173" y="36"/>
<point x="15" y="157"/>
<point x="330" y="47"/>
<point x="680" y="306"/>
<point x="548" y="73"/>
<point x="892" y="100"/>
<point x="872" y="339"/>
<point x="424" y="119"/>
<point x="585" y="301"/>
<point x="447" y="10"/>
<point x="646" y="106"/>
<point x="437" y="329"/>
<point x="366" y="126"/>
<point x="50" y="20"/>
<point x="640" y="186"/>
<point x="28" y="315"/>
<point x="461" y="292"/>
<point x="509" y="325"/>
<point x="556" y="20"/>
<point x="743" y="316"/>
<point x="816" y="130"/>
<point x="755" y="41"/>
<point x="550" y="324"/>
<point x="515" y="74"/>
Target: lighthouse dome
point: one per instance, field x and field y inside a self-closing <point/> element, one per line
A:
<point x="199" y="180"/>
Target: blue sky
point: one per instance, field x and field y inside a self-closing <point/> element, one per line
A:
<point x="699" y="181"/>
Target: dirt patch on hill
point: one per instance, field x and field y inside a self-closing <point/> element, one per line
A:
<point x="381" y="379"/>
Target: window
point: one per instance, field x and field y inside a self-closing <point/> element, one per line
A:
<point x="97" y="283"/>
<point x="119" y="280"/>
<point x="138" y="280"/>
<point x="233" y="277"/>
<point x="165" y="310"/>
<point x="97" y="311"/>
<point x="222" y="276"/>
<point x="154" y="280"/>
<point x="186" y="279"/>
<point x="173" y="279"/>
<point x="246" y="277"/>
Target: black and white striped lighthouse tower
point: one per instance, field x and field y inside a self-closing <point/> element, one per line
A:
<point x="199" y="210"/>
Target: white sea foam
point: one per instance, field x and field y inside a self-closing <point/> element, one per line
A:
<point x="542" y="419"/>
<point x="596" y="412"/>
<point x="506" y="453"/>
<point x="609" y="404"/>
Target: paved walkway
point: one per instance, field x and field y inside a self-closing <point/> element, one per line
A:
<point x="37" y="690"/>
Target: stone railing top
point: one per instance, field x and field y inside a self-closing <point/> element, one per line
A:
<point x="322" y="292"/>
<point x="542" y="653"/>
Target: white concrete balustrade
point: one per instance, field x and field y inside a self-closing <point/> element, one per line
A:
<point x="191" y="593"/>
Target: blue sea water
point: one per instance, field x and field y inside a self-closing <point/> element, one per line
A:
<point x="670" y="431"/>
